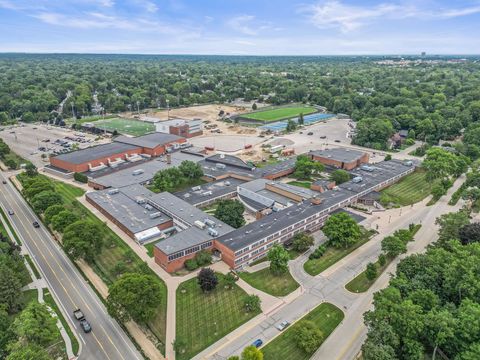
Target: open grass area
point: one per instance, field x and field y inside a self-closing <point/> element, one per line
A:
<point x="326" y="316"/>
<point x="304" y="184"/>
<point x="409" y="190"/>
<point x="204" y="318"/>
<point x="32" y="265"/>
<point x="266" y="281"/>
<point x="11" y="156"/>
<point x="149" y="248"/>
<point x="17" y="239"/>
<point x="125" y="126"/>
<point x="280" y="113"/>
<point x="332" y="255"/>
<point x="361" y="283"/>
<point x="114" y="251"/>
<point x="50" y="302"/>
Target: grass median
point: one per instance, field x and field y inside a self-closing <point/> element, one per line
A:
<point x="326" y="316"/>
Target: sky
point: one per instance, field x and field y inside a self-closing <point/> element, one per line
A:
<point x="240" y="27"/>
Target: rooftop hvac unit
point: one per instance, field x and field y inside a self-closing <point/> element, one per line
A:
<point x="199" y="224"/>
<point x="227" y="183"/>
<point x="220" y="166"/>
<point x="222" y="156"/>
<point x="148" y="207"/>
<point x="113" y="191"/>
<point x="210" y="223"/>
<point x="141" y="201"/>
<point x="212" y="232"/>
<point x="207" y="193"/>
<point x="155" y="215"/>
<point x="137" y="172"/>
<point x="196" y="188"/>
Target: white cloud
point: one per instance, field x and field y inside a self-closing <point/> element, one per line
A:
<point x="245" y="24"/>
<point x="336" y="14"/>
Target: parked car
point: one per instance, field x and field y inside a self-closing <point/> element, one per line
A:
<point x="257" y="343"/>
<point x="36" y="224"/>
<point x="337" y="140"/>
<point x="283" y="325"/>
<point x="310" y="133"/>
<point x="4" y="182"/>
<point x="85" y="326"/>
<point x="10" y="212"/>
<point x="323" y="137"/>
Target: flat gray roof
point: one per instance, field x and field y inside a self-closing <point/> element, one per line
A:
<point x="125" y="177"/>
<point x="276" y="221"/>
<point x="278" y="167"/>
<point x="210" y="190"/>
<point x="148" y="141"/>
<point x="183" y="240"/>
<point x="297" y="190"/>
<point x="339" y="154"/>
<point x="135" y="217"/>
<point x="95" y="152"/>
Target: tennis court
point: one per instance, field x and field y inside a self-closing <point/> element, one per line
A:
<point x="307" y="120"/>
<point x="125" y="126"/>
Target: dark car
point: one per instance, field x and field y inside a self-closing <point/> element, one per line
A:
<point x="10" y="212"/>
<point x="323" y="137"/>
<point x="36" y="224"/>
<point x="257" y="343"/>
<point x="4" y="181"/>
<point x="310" y="133"/>
<point x="85" y="326"/>
<point x="337" y="140"/>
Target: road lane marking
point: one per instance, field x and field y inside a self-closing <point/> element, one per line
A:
<point x="62" y="269"/>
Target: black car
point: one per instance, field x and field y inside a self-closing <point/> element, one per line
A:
<point x="4" y="182"/>
<point x="337" y="140"/>
<point x="36" y="224"/>
<point x="310" y="133"/>
<point x="85" y="326"/>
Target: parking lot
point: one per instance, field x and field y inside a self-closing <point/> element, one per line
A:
<point x="31" y="141"/>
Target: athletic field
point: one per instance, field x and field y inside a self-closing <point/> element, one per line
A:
<point x="125" y="126"/>
<point x="280" y="113"/>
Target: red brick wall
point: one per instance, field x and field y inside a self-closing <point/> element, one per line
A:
<point x="280" y="174"/>
<point x="84" y="166"/>
<point x="228" y="256"/>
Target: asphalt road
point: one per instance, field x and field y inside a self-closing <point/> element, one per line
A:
<point x="106" y="340"/>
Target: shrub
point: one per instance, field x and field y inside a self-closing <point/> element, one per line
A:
<point x="80" y="177"/>
<point x="203" y="258"/>
<point x="318" y="253"/>
<point x="191" y="264"/>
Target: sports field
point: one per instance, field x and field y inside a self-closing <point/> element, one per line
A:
<point x="280" y="113"/>
<point x="125" y="126"/>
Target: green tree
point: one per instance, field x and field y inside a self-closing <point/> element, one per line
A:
<point x="230" y="212"/>
<point x="207" y="279"/>
<point x="440" y="163"/>
<point x="10" y="288"/>
<point x="252" y="353"/>
<point x="393" y="246"/>
<point x="371" y="271"/>
<point x="4" y="149"/>
<point x="254" y="106"/>
<point x="80" y="177"/>
<point x="51" y="211"/>
<point x="300" y="119"/>
<point x="168" y="179"/>
<point x="30" y="169"/>
<point x="36" y="324"/>
<point x="83" y="239"/>
<point x="252" y="303"/>
<point x="308" y="336"/>
<point x="302" y="242"/>
<point x="63" y="219"/>
<point x="134" y="296"/>
<point x="373" y="132"/>
<point x="3" y="117"/>
<point x="278" y="257"/>
<point x="44" y="199"/>
<point x="450" y="225"/>
<point x="203" y="258"/>
<point x="190" y="169"/>
<point x="291" y="126"/>
<point x="341" y="230"/>
<point x="21" y="351"/>
<point x="340" y="176"/>
<point x="469" y="233"/>
<point x="305" y="167"/>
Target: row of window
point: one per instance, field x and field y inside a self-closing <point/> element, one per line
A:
<point x="190" y="251"/>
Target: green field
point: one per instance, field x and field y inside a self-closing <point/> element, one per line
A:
<point x="361" y="283"/>
<point x="279" y="113"/>
<point x="125" y="126"/>
<point x="332" y="255"/>
<point x="204" y="318"/>
<point x="266" y="281"/>
<point x="326" y="316"/>
<point x="410" y="190"/>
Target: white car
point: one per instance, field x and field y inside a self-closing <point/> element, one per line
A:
<point x="283" y="325"/>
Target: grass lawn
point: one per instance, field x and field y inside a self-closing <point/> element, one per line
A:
<point x="32" y="265"/>
<point x="361" y="283"/>
<point x="304" y="184"/>
<point x="332" y="255"/>
<point x="202" y="319"/>
<point x="280" y="113"/>
<point x="409" y="190"/>
<point x="149" y="248"/>
<point x="270" y="283"/>
<point x="326" y="316"/>
<point x="126" y="126"/>
<point x="17" y="158"/>
<point x="114" y="251"/>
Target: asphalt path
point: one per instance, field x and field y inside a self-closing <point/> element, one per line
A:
<point x="107" y="340"/>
